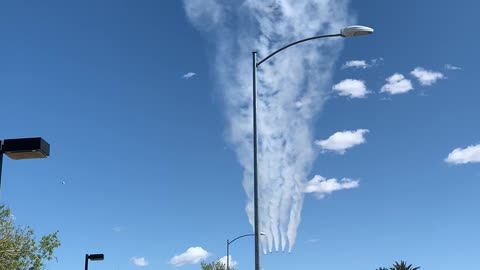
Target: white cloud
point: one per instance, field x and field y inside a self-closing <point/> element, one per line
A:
<point x="397" y="84"/>
<point x="471" y="154"/>
<point x="362" y="63"/>
<point x="231" y="263"/>
<point x="352" y="88"/>
<point x="140" y="261"/>
<point x="342" y="140"/>
<point x="376" y="61"/>
<point x="452" y="67"/>
<point x="356" y="64"/>
<point x="193" y="255"/>
<point x="314" y="240"/>
<point x="204" y="14"/>
<point x="426" y="77"/>
<point x="321" y="186"/>
<point x="189" y="75"/>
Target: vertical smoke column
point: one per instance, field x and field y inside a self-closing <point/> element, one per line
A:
<point x="292" y="87"/>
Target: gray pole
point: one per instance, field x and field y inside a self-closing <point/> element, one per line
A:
<point x="1" y="164"/>
<point x="86" y="261"/>
<point x="228" y="254"/>
<point x="255" y="172"/>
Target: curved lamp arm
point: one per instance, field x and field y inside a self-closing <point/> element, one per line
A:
<point x="295" y="43"/>
<point x="350" y="31"/>
<point x="241" y="236"/>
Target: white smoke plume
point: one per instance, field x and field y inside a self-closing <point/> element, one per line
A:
<point x="292" y="87"/>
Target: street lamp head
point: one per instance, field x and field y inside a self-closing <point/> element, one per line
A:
<point x="95" y="257"/>
<point x="355" y="31"/>
<point x="25" y="148"/>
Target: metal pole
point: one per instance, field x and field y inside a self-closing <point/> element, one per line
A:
<point x="1" y="163"/>
<point x="228" y="254"/>
<point x="86" y="261"/>
<point x="255" y="173"/>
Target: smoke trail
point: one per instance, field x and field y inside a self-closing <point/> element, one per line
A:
<point x="291" y="87"/>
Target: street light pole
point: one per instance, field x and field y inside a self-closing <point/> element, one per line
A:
<point x="351" y="31"/>
<point x="228" y="255"/>
<point x="24" y="148"/>
<point x="86" y="261"/>
<point x="229" y="242"/>
<point x="255" y="170"/>
<point x="93" y="257"/>
<point x="1" y="163"/>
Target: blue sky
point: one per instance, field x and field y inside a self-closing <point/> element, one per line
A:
<point x="145" y="105"/>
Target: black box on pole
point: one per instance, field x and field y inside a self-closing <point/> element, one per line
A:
<point x="26" y="148"/>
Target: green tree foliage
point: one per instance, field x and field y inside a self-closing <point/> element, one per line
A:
<point x="19" y="249"/>
<point x="403" y="266"/>
<point x="215" y="266"/>
<point x="399" y="266"/>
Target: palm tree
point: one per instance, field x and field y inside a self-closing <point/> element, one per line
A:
<point x="382" y="268"/>
<point x="403" y="266"/>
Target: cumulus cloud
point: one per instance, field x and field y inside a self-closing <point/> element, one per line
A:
<point x="231" y="263"/>
<point x="356" y="64"/>
<point x="189" y="75"/>
<point x="193" y="255"/>
<point x="320" y="186"/>
<point x="292" y="88"/>
<point x="363" y="64"/>
<point x="471" y="154"/>
<point x="352" y="88"/>
<point x="397" y="84"/>
<point x="426" y="77"/>
<point x="140" y="261"/>
<point x="452" y="67"/>
<point x="341" y="141"/>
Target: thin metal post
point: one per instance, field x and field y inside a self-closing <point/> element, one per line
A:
<point x="228" y="254"/>
<point x="1" y="164"/>
<point x="255" y="172"/>
<point x="86" y="261"/>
